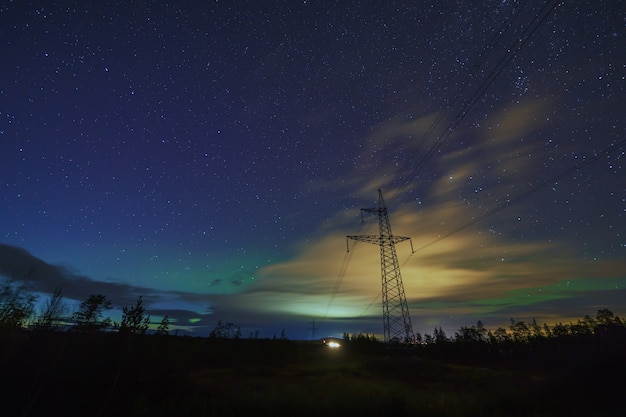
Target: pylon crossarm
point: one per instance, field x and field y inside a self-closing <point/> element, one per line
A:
<point x="375" y="239"/>
<point x="378" y="239"/>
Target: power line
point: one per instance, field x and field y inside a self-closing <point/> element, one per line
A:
<point x="338" y="281"/>
<point x="370" y="304"/>
<point x="537" y="187"/>
<point x="511" y="52"/>
<point x="479" y="62"/>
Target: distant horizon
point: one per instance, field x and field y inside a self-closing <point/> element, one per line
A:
<point x="275" y="331"/>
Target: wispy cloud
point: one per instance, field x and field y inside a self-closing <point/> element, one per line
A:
<point x="477" y="269"/>
<point x="39" y="276"/>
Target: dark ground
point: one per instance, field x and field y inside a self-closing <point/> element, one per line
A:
<point x="106" y="374"/>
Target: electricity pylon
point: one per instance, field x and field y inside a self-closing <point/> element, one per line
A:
<point x="396" y="319"/>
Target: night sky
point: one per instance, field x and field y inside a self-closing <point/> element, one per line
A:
<point x="212" y="156"/>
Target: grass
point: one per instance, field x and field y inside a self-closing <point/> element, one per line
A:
<point x="343" y="384"/>
<point x="194" y="377"/>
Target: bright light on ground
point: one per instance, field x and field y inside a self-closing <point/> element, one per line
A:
<point x="332" y="343"/>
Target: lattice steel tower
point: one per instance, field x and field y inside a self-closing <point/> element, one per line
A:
<point x="396" y="319"/>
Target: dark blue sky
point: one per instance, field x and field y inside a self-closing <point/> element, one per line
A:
<point x="212" y="156"/>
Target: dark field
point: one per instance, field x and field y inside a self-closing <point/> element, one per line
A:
<point x="106" y="374"/>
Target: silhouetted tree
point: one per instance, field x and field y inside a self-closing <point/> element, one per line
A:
<point x="53" y="311"/>
<point x="464" y="335"/>
<point x="606" y="320"/>
<point x="581" y="327"/>
<point x="439" y="335"/>
<point x="164" y="326"/>
<point x="590" y="322"/>
<point x="16" y="304"/>
<point x="560" y="330"/>
<point x="499" y="335"/>
<point x="134" y="319"/>
<point x="362" y="342"/>
<point x="481" y="331"/>
<point x="473" y="334"/>
<point x="605" y="316"/>
<point x="536" y="330"/>
<point x="361" y="338"/>
<point x="225" y="331"/>
<point x="521" y="332"/>
<point x="88" y="318"/>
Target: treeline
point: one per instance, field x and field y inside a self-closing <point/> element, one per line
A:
<point x="595" y="343"/>
<point x="17" y="311"/>
<point x="22" y="327"/>
<point x="599" y="340"/>
<point x="521" y="332"/>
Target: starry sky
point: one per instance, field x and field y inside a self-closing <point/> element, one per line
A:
<point x="212" y="156"/>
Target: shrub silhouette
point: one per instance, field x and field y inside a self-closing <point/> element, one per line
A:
<point x="88" y="318"/>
